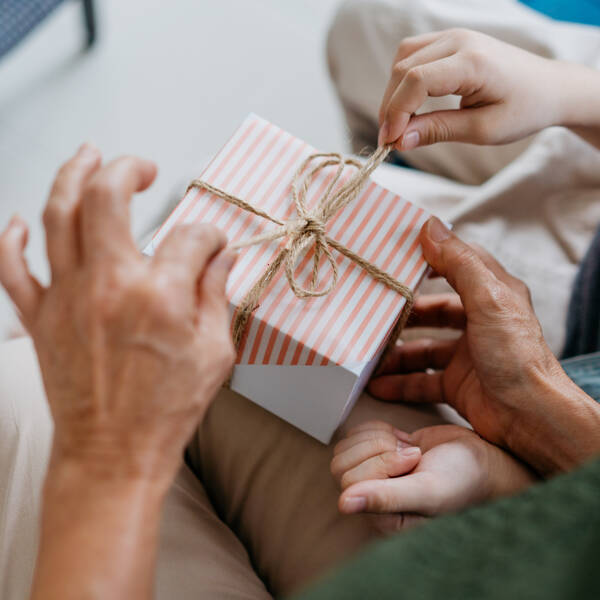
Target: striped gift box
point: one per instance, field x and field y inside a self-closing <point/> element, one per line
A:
<point x="306" y="360"/>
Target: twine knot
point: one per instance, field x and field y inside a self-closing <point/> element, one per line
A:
<point x="313" y="226"/>
<point x="307" y="232"/>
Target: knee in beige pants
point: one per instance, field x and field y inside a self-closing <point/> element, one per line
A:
<point x="199" y="556"/>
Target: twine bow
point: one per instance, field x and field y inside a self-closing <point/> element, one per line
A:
<point x="307" y="230"/>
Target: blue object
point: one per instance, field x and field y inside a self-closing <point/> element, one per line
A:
<point x="19" y="17"/>
<point x="586" y="12"/>
<point x="585" y="372"/>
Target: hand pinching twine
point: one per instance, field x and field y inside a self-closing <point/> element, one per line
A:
<point x="307" y="231"/>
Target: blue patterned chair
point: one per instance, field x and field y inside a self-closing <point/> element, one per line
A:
<point x="19" y="17"/>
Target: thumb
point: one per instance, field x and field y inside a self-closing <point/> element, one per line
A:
<point x="458" y="263"/>
<point x="463" y="125"/>
<point x="411" y="493"/>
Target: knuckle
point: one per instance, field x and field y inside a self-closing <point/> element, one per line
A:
<point x="162" y="299"/>
<point x="495" y="298"/>
<point x="55" y="213"/>
<point x="473" y="57"/>
<point x="415" y="76"/>
<point x="335" y="467"/>
<point x="438" y="130"/>
<point x="381" y="444"/>
<point x="408" y="45"/>
<point x="105" y="294"/>
<point x="461" y="257"/>
<point x="338" y="448"/>
<point x="400" y="69"/>
<point x="122" y="167"/>
<point x="160" y="288"/>
<point x="383" y="464"/>
<point x="523" y="290"/>
<point x="405" y="47"/>
<point x="382" y="500"/>
<point x="209" y="232"/>
<point x="460" y="35"/>
<point x="392" y="461"/>
<point x="202" y="233"/>
<point x="346" y="480"/>
<point x="365" y="426"/>
<point x="100" y="189"/>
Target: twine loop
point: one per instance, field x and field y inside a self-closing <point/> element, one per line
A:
<point x="307" y="231"/>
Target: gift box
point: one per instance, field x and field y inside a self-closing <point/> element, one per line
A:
<point x="305" y="359"/>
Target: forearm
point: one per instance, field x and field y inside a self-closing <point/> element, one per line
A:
<point x="558" y="427"/>
<point x="579" y="89"/>
<point x="99" y="535"/>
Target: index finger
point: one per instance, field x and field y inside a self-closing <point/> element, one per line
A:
<point x="105" y="220"/>
<point x="439" y="78"/>
<point x="411" y="53"/>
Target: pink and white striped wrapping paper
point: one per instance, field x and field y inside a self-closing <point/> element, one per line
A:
<point x="345" y="329"/>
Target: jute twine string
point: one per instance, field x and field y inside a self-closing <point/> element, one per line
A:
<point x="307" y="230"/>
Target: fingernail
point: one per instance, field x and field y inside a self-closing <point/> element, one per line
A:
<point x="410" y="140"/>
<point x="354" y="505"/>
<point x="400" y="445"/>
<point x="438" y="232"/>
<point x="410" y="452"/>
<point x="87" y="151"/>
<point x="384" y="134"/>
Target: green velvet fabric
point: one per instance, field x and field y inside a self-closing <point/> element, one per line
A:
<point x="540" y="545"/>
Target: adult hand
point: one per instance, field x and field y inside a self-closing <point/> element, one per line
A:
<point x="405" y="477"/>
<point x="506" y="93"/>
<point x="500" y="374"/>
<point x="131" y="350"/>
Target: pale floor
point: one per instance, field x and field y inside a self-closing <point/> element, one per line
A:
<point x="167" y="80"/>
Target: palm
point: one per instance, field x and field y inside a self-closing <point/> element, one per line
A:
<point x="452" y="466"/>
<point x="478" y="374"/>
<point x="462" y="388"/>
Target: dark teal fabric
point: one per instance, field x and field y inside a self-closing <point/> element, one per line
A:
<point x="576" y="11"/>
<point x="585" y="372"/>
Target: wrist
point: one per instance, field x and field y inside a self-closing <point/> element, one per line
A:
<point x="558" y="427"/>
<point x="67" y="473"/>
<point x="101" y="527"/>
<point x="108" y="464"/>
<point x="577" y="91"/>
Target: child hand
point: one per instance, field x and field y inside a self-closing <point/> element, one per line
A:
<point x="506" y="93"/>
<point x="404" y="477"/>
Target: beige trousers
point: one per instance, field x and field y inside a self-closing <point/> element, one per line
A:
<point x="254" y="512"/>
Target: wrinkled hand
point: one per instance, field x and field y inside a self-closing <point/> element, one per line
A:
<point x="406" y="477"/>
<point x="500" y="374"/>
<point x="131" y="350"/>
<point x="506" y="93"/>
